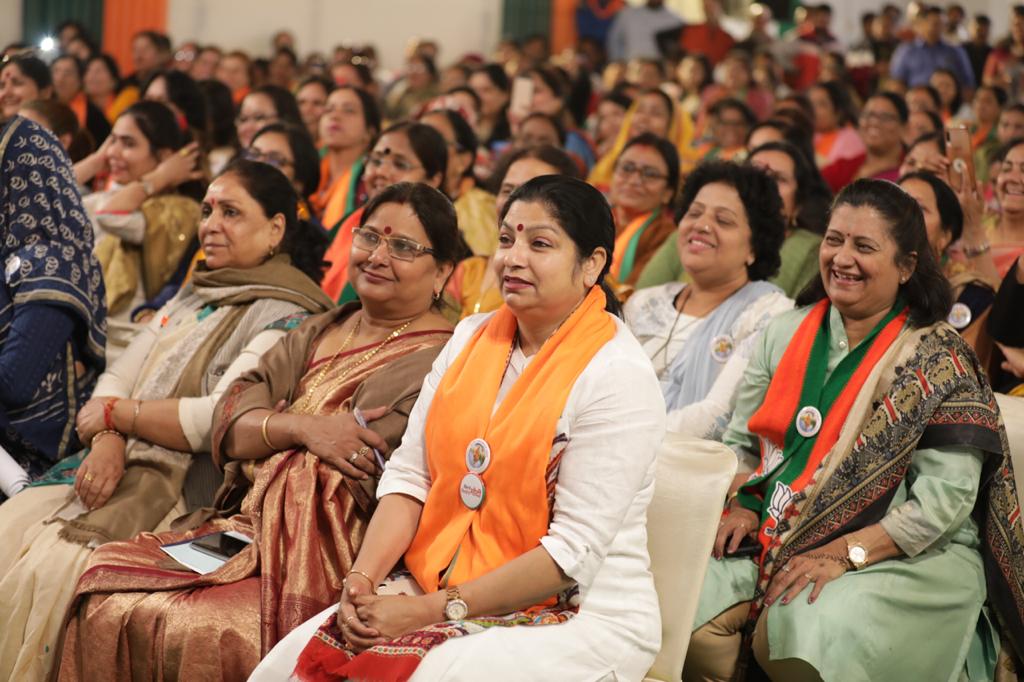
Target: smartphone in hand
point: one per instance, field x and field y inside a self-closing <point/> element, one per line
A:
<point x="961" y="158"/>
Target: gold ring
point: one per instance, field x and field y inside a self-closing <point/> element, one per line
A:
<point x="89" y="477"/>
<point x="365" y="450"/>
<point x="787" y="568"/>
<point x="809" y="577"/>
<point x="354" y="457"/>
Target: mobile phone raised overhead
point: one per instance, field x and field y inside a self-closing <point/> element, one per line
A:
<point x="961" y="158"/>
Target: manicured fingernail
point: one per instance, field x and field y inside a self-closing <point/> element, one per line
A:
<point x="785" y="600"/>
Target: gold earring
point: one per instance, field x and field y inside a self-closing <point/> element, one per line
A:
<point x="272" y="251"/>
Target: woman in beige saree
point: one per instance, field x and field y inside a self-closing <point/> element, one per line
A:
<point x="299" y="469"/>
<point x="148" y="422"/>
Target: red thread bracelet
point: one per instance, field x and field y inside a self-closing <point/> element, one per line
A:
<point x="108" y="414"/>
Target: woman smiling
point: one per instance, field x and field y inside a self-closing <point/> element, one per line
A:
<point x="881" y="451"/>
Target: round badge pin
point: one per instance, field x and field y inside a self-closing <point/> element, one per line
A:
<point x="478" y="456"/>
<point x="960" y="316"/>
<point x="808" y="421"/>
<point x="472" y="491"/>
<point x="722" y="347"/>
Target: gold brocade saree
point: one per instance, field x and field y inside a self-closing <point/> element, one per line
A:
<point x="139" y="615"/>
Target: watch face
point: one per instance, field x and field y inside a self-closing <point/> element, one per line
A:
<point x="456" y="610"/>
<point x="858" y="555"/>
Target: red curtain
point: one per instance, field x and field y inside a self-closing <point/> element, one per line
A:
<point x="122" y="19"/>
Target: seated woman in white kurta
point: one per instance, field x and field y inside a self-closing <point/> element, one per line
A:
<point x="518" y="496"/>
<point x="884" y="499"/>
<point x="699" y="336"/>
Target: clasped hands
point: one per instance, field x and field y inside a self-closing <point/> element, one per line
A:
<point x="366" y="619"/>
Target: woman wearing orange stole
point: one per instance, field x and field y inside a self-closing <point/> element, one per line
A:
<point x="518" y="497"/>
<point x="644" y="186"/>
<point x="300" y="471"/>
<point x="884" y="492"/>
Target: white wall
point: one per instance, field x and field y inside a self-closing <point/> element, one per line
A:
<point x="10" y="21"/>
<point x="459" y="26"/>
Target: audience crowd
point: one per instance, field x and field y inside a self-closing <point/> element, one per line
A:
<point x="312" y="369"/>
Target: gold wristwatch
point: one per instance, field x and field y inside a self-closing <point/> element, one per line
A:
<point x="856" y="553"/>
<point x="455" y="608"/>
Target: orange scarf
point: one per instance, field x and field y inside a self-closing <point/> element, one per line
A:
<point x="339" y="253"/>
<point x="331" y="196"/>
<point x="514" y="515"/>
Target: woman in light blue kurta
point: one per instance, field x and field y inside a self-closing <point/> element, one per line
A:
<point x="875" y="429"/>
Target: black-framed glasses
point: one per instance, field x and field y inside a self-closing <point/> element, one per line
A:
<point x="400" y="248"/>
<point x="274" y="159"/>
<point x="646" y="173"/>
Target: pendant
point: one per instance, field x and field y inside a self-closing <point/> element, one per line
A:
<point x="808" y="421"/>
<point x="472" y="491"/>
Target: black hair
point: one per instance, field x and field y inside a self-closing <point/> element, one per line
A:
<point x="951" y="214"/>
<point x="932" y="93"/>
<point x="545" y="153"/>
<point x="465" y="138"/>
<point x="551" y="120"/>
<point x="184" y="93"/>
<point x="371" y="112"/>
<point x="802" y="102"/>
<point x="287" y="52"/>
<point x="813" y="196"/>
<point x="998" y="92"/>
<point x="35" y="69"/>
<point x="1000" y="154"/>
<point x="936" y="120"/>
<point x="795" y="128"/>
<point x="468" y="91"/>
<point x="284" y="102"/>
<point x="580" y="210"/>
<point x="619" y="98"/>
<point x="62" y="121"/>
<point x="428" y="63"/>
<point x="307" y="159"/>
<point x="304" y="242"/>
<point x="362" y="71"/>
<point x="159" y="126"/>
<point x="670" y="106"/>
<point x="839" y="96"/>
<point x="929" y="10"/>
<point x="731" y="103"/>
<point x="938" y="138"/>
<point x="983" y="19"/>
<point x="79" y="68"/>
<point x="220" y="109"/>
<point x="434" y="211"/>
<point x="327" y="85"/>
<point x="896" y="101"/>
<point x="958" y="96"/>
<point x="759" y="194"/>
<point x="111" y="66"/>
<point x="553" y="79"/>
<point x="427" y="144"/>
<point x="496" y="74"/>
<point x="668" y="153"/>
<point x="159" y="40"/>
<point x="927" y="292"/>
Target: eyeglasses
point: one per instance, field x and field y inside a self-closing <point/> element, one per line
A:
<point x="646" y="173"/>
<point x="878" y="117"/>
<point x="254" y="118"/>
<point x="400" y="248"/>
<point x="270" y="158"/>
<point x="397" y="163"/>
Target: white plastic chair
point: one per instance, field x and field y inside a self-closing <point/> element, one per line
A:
<point x="693" y="477"/>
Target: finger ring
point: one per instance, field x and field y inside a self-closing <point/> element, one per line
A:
<point x="350" y="618"/>
<point x="354" y="457"/>
<point x="364" y="450"/>
<point x="89" y="477"/>
<point x="787" y="568"/>
<point x="809" y="577"/>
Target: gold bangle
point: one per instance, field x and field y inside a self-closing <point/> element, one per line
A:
<point x="135" y="417"/>
<point x="373" y="585"/>
<point x="92" y="443"/>
<point x="263" y="432"/>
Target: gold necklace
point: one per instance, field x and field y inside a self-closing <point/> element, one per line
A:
<point x="308" y="399"/>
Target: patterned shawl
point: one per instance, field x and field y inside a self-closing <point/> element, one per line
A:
<point x="46" y="244"/>
<point x="927" y="391"/>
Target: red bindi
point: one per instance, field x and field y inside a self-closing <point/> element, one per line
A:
<point x="519" y="227"/>
<point x="387" y="229"/>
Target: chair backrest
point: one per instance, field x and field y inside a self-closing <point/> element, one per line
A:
<point x="1012" y="409"/>
<point x="693" y="477"/>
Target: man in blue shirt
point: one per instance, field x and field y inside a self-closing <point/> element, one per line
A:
<point x="914" y="62"/>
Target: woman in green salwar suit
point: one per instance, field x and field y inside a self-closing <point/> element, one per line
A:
<point x="881" y="511"/>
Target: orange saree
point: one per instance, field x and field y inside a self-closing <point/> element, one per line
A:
<point x="137" y="614"/>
